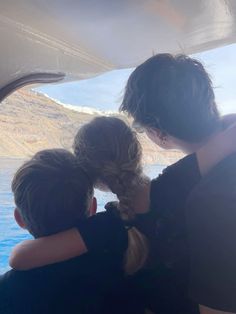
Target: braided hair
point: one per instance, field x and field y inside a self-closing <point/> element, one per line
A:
<point x="111" y="154"/>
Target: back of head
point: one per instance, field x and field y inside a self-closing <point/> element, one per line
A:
<point x="111" y="154"/>
<point x="51" y="192"/>
<point x="173" y="94"/>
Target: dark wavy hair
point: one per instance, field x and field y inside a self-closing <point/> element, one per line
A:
<point x="173" y="94"/>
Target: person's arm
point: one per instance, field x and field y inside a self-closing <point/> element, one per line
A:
<point x="92" y="234"/>
<point x="47" y="250"/>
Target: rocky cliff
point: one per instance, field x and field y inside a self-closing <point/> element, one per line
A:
<point x="30" y="121"/>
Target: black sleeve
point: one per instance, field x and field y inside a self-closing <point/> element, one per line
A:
<point x="104" y="231"/>
<point x="171" y="188"/>
<point x="211" y="220"/>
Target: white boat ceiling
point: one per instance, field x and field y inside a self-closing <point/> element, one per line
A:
<point x="83" y="38"/>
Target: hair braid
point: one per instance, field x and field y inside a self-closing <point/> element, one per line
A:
<point x="111" y="153"/>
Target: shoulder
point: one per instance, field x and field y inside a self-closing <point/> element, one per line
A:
<point x="6" y="279"/>
<point x="3" y="281"/>
<point x="185" y="169"/>
<point x="5" y="303"/>
<point x="104" y="231"/>
<point x="14" y="280"/>
<point x="188" y="163"/>
<point x="175" y="183"/>
<point x="105" y="220"/>
<point x="10" y="289"/>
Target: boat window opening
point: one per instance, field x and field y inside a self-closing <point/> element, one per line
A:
<point x="36" y="117"/>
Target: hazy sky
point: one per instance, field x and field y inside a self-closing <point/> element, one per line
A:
<point x="105" y="91"/>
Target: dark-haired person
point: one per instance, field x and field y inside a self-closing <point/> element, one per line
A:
<point x="110" y="152"/>
<point x="172" y="99"/>
<point x="53" y="194"/>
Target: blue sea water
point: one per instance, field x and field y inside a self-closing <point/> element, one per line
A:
<point x="10" y="233"/>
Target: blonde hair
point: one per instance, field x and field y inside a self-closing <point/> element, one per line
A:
<point x="111" y="154"/>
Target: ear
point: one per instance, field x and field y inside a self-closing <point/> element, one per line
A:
<point x="154" y="135"/>
<point x="160" y="138"/>
<point x="19" y="219"/>
<point x="93" y="207"/>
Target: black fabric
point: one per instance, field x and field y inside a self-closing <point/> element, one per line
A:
<point x="211" y="218"/>
<point x="192" y="248"/>
<point x="169" y="193"/>
<point x="166" y="276"/>
<point x="163" y="285"/>
<point x="81" y="285"/>
<point x="104" y="231"/>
